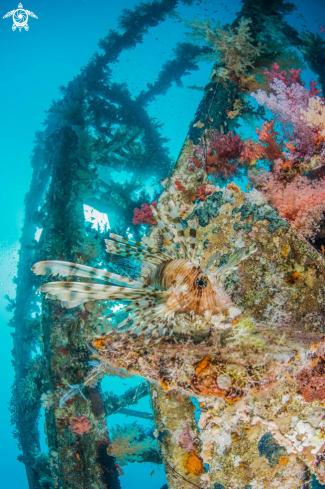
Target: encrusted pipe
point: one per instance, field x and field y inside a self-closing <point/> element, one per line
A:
<point x="177" y="436"/>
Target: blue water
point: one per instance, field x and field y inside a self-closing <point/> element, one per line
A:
<point x="33" y="65"/>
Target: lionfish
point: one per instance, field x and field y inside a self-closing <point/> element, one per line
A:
<point x="166" y="286"/>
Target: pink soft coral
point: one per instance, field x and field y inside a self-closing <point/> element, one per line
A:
<point x="144" y="216"/>
<point x="80" y="425"/>
<point x="301" y="201"/>
<point x="287" y="103"/>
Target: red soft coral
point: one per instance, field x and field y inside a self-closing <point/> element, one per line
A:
<point x="276" y="73"/>
<point x="145" y="216"/>
<point x="288" y="77"/>
<point x="227" y="146"/>
<point x="268" y="150"/>
<point x="313" y="88"/>
<point x="268" y="136"/>
<point x="252" y="152"/>
<point x="223" y="155"/>
<point x="295" y="77"/>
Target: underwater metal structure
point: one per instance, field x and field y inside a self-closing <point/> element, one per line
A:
<point x="66" y="163"/>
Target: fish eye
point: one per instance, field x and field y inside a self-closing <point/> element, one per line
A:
<point x="201" y="282"/>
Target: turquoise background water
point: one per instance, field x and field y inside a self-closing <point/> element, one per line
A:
<point x="33" y="65"/>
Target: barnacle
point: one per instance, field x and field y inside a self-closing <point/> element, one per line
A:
<point x="168" y="284"/>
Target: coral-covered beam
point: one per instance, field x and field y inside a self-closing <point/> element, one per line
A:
<point x="113" y="403"/>
<point x="178" y="438"/>
<point x="136" y="414"/>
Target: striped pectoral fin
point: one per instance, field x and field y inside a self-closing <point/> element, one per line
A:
<point x="63" y="268"/>
<point x="152" y="259"/>
<point x="71" y="304"/>
<point x="124" y="240"/>
<point x="178" y="226"/>
<point x="192" y="238"/>
<point x="76" y="291"/>
<point x="128" y="244"/>
<point x="116" y="248"/>
<point x="121" y="249"/>
<point x="138" y="316"/>
<point x="168" y="237"/>
<point x="81" y="292"/>
<point x="135" y="244"/>
<point x="145" y="318"/>
<point x="210" y="262"/>
<point x="233" y="262"/>
<point x="140" y="303"/>
<point x="161" y="224"/>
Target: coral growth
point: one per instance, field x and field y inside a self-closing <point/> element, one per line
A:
<point x="219" y="155"/>
<point x="185" y="440"/>
<point x="301" y="201"/>
<point x="47" y="400"/>
<point x="178" y="185"/>
<point x="268" y="147"/>
<point x="130" y="443"/>
<point x="233" y="186"/>
<point x="268" y="136"/>
<point x="233" y="47"/>
<point x="242" y="334"/>
<point x="252" y="152"/>
<point x="301" y="113"/>
<point x="314" y="115"/>
<point x="80" y="425"/>
<point x="311" y="380"/>
<point x="223" y="154"/>
<point x="194" y="464"/>
<point x="203" y="191"/>
<point x="144" y="215"/>
<point x="288" y="103"/>
<point x="288" y="77"/>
